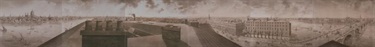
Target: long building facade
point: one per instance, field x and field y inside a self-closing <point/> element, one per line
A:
<point x="271" y="30"/>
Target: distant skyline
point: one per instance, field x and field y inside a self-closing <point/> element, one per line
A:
<point x="191" y="8"/>
<point x="83" y="8"/>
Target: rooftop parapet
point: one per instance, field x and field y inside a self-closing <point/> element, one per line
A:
<point x="171" y="28"/>
<point x="104" y="38"/>
<point x="88" y="26"/>
<point x="171" y="35"/>
<point x="109" y="26"/>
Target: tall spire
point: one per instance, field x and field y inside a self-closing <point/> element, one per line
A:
<point x="133" y="16"/>
<point x="32" y="13"/>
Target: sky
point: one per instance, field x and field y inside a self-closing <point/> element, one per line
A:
<point x="192" y="8"/>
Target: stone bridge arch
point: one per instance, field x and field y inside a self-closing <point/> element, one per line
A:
<point x="348" y="39"/>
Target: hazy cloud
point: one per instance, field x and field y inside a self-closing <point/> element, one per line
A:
<point x="151" y="4"/>
<point x="168" y="2"/>
<point x="57" y="2"/>
<point x="183" y="5"/>
<point x="8" y="3"/>
<point x="193" y="7"/>
<point x="130" y="3"/>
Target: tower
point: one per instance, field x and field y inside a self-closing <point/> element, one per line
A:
<point x="133" y="16"/>
<point x="32" y="13"/>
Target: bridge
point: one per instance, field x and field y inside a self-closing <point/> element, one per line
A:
<point x="343" y="35"/>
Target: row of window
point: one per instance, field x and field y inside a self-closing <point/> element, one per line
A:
<point x="265" y="27"/>
<point x="268" y="23"/>
<point x="266" y="30"/>
<point x="269" y="33"/>
<point x="274" y="29"/>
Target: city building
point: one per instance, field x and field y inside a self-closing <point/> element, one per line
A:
<point x="277" y="30"/>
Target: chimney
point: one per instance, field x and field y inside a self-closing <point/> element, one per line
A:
<point x="88" y="26"/>
<point x="98" y="26"/>
<point x="119" y="26"/>
<point x="109" y="26"/>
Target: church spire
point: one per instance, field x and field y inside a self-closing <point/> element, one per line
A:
<point x="32" y="13"/>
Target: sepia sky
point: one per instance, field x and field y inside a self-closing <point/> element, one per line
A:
<point x="192" y="8"/>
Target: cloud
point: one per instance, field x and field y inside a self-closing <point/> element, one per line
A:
<point x="16" y="3"/>
<point x="151" y="4"/>
<point x="130" y="3"/>
<point x="183" y="5"/>
<point x="279" y="8"/>
<point x="168" y="2"/>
